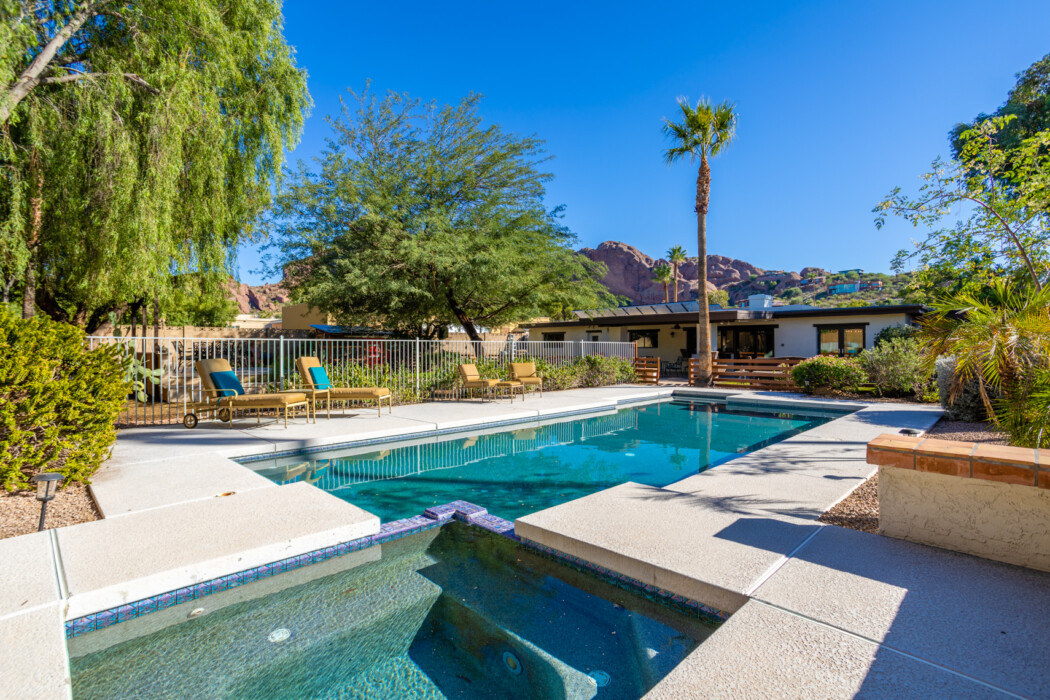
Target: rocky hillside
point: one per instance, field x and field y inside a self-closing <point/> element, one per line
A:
<point x="631" y="272"/>
<point x="264" y="299"/>
<point x="630" y="275"/>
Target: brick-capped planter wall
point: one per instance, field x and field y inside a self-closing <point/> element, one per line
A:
<point x="988" y="500"/>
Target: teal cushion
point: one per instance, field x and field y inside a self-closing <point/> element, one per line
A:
<point x="227" y="383"/>
<point x="319" y="377"/>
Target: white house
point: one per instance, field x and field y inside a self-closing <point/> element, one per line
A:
<point x="668" y="331"/>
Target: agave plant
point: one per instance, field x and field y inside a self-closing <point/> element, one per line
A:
<point x="1000" y="339"/>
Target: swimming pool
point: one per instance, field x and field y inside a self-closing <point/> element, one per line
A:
<point x="453" y="612"/>
<point x="519" y="470"/>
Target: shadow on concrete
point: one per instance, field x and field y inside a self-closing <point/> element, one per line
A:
<point x="979" y="618"/>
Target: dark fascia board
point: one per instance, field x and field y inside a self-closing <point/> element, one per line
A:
<point x="909" y="309"/>
<point x="730" y="315"/>
<point x="717" y="316"/>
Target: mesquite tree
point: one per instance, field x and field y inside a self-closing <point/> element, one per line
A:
<point x="420" y="216"/>
<point x="139" y="140"/>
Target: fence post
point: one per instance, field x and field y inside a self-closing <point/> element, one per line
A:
<point x="417" y="369"/>
<point x="281" y="370"/>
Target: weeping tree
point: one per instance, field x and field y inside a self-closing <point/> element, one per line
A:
<point x="139" y="140"/>
<point x="419" y="216"/>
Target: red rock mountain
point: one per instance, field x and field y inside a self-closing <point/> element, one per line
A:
<point x="264" y="298"/>
<point x="631" y="273"/>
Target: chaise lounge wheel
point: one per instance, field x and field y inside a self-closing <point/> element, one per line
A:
<point x="225" y="415"/>
<point x="190" y="420"/>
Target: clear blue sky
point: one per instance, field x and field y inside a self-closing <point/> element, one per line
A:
<point x="838" y="103"/>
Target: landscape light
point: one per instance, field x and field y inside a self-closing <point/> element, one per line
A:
<point x="46" y="487"/>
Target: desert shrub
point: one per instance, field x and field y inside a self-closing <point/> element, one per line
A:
<point x="828" y="372"/>
<point x="896" y="368"/>
<point x="891" y="332"/>
<point x="58" y="400"/>
<point x="967" y="405"/>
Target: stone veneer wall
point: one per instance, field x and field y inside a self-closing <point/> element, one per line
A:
<point x="987" y="500"/>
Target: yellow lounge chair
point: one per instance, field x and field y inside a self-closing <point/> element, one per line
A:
<point x="320" y="388"/>
<point x="468" y="375"/>
<point x="224" y="394"/>
<point x="525" y="372"/>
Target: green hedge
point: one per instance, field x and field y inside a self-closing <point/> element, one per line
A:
<point x="828" y="372"/>
<point x="58" y="400"/>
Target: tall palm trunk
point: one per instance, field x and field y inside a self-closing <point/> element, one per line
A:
<point x="667" y="294"/>
<point x="703" y="330"/>
<point x="674" y="279"/>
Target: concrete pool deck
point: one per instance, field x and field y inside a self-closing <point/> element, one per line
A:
<point x="749" y="521"/>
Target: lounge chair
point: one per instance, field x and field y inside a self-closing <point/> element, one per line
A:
<point x="468" y="375"/>
<point x="525" y="372"/>
<point x="319" y="387"/>
<point x="224" y="394"/>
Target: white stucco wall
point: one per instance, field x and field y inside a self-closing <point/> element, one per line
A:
<point x="797" y="337"/>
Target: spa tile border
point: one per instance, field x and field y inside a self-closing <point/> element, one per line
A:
<point x="433" y="517"/>
<point x="631" y="584"/>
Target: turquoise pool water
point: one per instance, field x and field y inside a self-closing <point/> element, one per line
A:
<point x="526" y="468"/>
<point x="454" y="612"/>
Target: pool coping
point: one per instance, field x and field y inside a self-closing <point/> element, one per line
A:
<point x="245" y="445"/>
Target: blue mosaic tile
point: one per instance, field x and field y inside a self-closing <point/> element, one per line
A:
<point x="444" y="512"/>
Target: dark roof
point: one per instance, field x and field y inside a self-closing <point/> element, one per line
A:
<point x="730" y="315"/>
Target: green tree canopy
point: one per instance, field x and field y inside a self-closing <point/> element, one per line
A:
<point x="994" y="202"/>
<point x="139" y="140"/>
<point x="1027" y="104"/>
<point x="420" y="215"/>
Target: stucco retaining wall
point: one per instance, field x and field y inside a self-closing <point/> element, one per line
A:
<point x="985" y="500"/>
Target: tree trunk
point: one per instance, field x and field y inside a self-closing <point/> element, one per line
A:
<point x="29" y="292"/>
<point x="31" y="76"/>
<point x="703" y="330"/>
<point x="466" y="322"/>
<point x="674" y="270"/>
<point x="10" y="282"/>
<point x="667" y="294"/>
<point x="36" y="221"/>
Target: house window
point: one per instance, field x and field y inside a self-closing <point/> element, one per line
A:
<point x="594" y="337"/>
<point x="554" y="337"/>
<point x="745" y="342"/>
<point x="841" y="340"/>
<point x="645" y="339"/>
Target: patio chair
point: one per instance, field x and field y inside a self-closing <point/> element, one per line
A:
<point x="468" y="375"/>
<point x="525" y="372"/>
<point x="224" y="394"/>
<point x="320" y="388"/>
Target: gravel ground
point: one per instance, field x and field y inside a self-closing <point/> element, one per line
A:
<point x="20" y="512"/>
<point x="860" y="510"/>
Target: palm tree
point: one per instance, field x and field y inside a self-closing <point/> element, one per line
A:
<point x="662" y="273"/>
<point x="676" y="256"/>
<point x="1000" y="338"/>
<point x="703" y="132"/>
